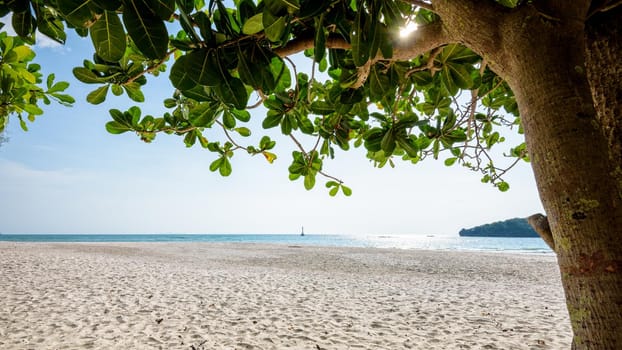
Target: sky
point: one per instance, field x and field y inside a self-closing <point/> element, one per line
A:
<point x="67" y="174"/>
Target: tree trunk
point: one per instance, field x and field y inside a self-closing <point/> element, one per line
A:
<point x="604" y="69"/>
<point x="575" y="174"/>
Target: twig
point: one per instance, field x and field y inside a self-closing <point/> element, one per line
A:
<point x="302" y="149"/>
<point x="429" y="64"/>
<point x="474" y="100"/>
<point x="151" y="68"/>
<point x="262" y="98"/>
<point x="229" y="136"/>
<point x="604" y="8"/>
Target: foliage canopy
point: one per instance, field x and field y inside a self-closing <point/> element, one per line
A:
<point x="363" y="89"/>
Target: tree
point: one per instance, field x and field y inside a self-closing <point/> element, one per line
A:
<point x="20" y="81"/>
<point x="550" y="68"/>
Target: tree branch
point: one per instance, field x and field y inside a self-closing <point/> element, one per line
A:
<point x="540" y="224"/>
<point x="478" y="25"/>
<point x="424" y="39"/>
<point x="302" y="43"/>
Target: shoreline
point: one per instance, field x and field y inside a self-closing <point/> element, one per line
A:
<point x="267" y="296"/>
<point x="408" y="242"/>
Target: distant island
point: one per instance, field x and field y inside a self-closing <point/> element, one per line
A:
<point x="517" y="227"/>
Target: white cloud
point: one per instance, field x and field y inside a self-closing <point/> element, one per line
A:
<point x="42" y="41"/>
<point x="45" y="42"/>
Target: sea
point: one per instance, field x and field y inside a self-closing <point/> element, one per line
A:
<point x="428" y="242"/>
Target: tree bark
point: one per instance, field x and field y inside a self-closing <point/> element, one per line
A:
<point x="540" y="224"/>
<point x="573" y="169"/>
<point x="567" y="86"/>
<point x="604" y="71"/>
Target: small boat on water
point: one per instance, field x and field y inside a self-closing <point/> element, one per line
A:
<point x="302" y="231"/>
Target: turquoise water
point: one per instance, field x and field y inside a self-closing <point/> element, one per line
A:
<point x="519" y="245"/>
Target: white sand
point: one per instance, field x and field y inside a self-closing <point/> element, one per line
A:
<point x="237" y="296"/>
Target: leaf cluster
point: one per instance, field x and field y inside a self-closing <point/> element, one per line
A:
<point x="445" y="103"/>
<point x="21" y="83"/>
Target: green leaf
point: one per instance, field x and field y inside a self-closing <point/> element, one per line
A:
<point x="379" y="84"/>
<point x="253" y="25"/>
<point x="109" y="5"/>
<point x="319" y="42"/>
<point x="190" y="139"/>
<point x="272" y="119"/>
<point x="436" y="148"/>
<point x="114" y="127"/>
<point x="241" y="115"/>
<point x="33" y="109"/>
<point x="233" y="92"/>
<point x="386" y="47"/>
<point x="87" y="76"/>
<point x="243" y="131"/>
<point x="225" y="167"/>
<point x="133" y="91"/>
<point x="117" y="90"/>
<point x="186" y="22"/>
<point x="460" y="75"/>
<point x="346" y="190"/>
<point x="286" y="125"/>
<point x="215" y="165"/>
<point x="251" y="70"/>
<point x="23" y="53"/>
<point x="203" y="67"/>
<point x="117" y="115"/>
<point x="266" y="143"/>
<point x="147" y="31"/>
<point x="322" y="108"/>
<point x="450" y="161"/>
<point x="203" y="115"/>
<point x="98" y="95"/>
<point x="59" y="86"/>
<point x="179" y="76"/>
<point x="503" y="186"/>
<point x="388" y="143"/>
<point x="170" y="103"/>
<point x="51" y="26"/>
<point x="359" y="44"/>
<point x="162" y="8"/>
<point x="281" y="73"/>
<point x="275" y="31"/>
<point x="22" y="124"/>
<point x="108" y="37"/>
<point x="187" y="5"/>
<point x="228" y="120"/>
<point x="333" y="191"/>
<point x="64" y="98"/>
<point x="408" y="145"/>
<point x="132" y="115"/>
<point x="292" y="5"/>
<point x="24" y="25"/>
<point x="198" y="93"/>
<point x="309" y="181"/>
<point x="202" y="21"/>
<point x="76" y="12"/>
<point x="458" y="54"/>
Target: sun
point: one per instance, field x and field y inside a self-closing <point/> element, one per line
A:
<point x="408" y="29"/>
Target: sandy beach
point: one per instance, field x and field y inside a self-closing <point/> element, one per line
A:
<point x="245" y="296"/>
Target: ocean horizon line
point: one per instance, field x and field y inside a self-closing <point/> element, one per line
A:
<point x="418" y="241"/>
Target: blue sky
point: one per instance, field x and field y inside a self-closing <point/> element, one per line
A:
<point x="68" y="175"/>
